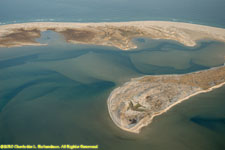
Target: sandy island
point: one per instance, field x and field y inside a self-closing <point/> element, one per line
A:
<point x="133" y="105"/>
<point x="116" y="34"/>
<point x="137" y="102"/>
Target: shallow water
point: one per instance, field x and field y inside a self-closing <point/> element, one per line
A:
<point x="57" y="94"/>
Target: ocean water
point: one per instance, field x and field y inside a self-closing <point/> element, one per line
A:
<point x="201" y="11"/>
<point x="57" y="94"/>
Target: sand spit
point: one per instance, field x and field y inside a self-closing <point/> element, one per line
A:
<point x="117" y="34"/>
<point x="134" y="105"/>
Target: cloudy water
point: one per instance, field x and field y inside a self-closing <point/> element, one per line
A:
<point x="57" y="94"/>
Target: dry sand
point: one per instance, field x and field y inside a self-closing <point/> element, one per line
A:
<point x="184" y="33"/>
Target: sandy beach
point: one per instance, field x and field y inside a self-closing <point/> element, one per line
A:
<point x="117" y="34"/>
<point x="120" y="35"/>
<point x="138" y="129"/>
<point x="166" y="90"/>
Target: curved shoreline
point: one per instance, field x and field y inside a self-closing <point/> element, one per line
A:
<point x="178" y="102"/>
<point x="115" y="96"/>
<point x="117" y="34"/>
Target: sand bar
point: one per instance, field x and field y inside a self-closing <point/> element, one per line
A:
<point x="116" y="34"/>
<point x="133" y="105"/>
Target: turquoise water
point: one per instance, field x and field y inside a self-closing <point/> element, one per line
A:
<point x="57" y="94"/>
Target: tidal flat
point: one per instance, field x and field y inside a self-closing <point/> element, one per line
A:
<point x="57" y="94"/>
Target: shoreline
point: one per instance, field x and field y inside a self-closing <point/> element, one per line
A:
<point x="178" y="102"/>
<point x="155" y="22"/>
<point x="117" y="21"/>
<point x="117" y="34"/>
<point x="146" y="120"/>
<point x="138" y="129"/>
<point x="213" y="68"/>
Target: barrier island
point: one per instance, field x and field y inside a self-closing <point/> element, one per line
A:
<point x="116" y="34"/>
<point x="134" y="104"/>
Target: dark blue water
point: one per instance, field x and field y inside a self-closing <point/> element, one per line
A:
<point x="201" y="11"/>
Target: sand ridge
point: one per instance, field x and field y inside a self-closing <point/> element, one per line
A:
<point x="134" y="105"/>
<point x="116" y="34"/>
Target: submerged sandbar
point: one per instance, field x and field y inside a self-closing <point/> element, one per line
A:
<point x="116" y="34"/>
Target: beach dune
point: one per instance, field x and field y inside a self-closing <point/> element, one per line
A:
<point x="133" y="105"/>
<point x="116" y="34"/>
